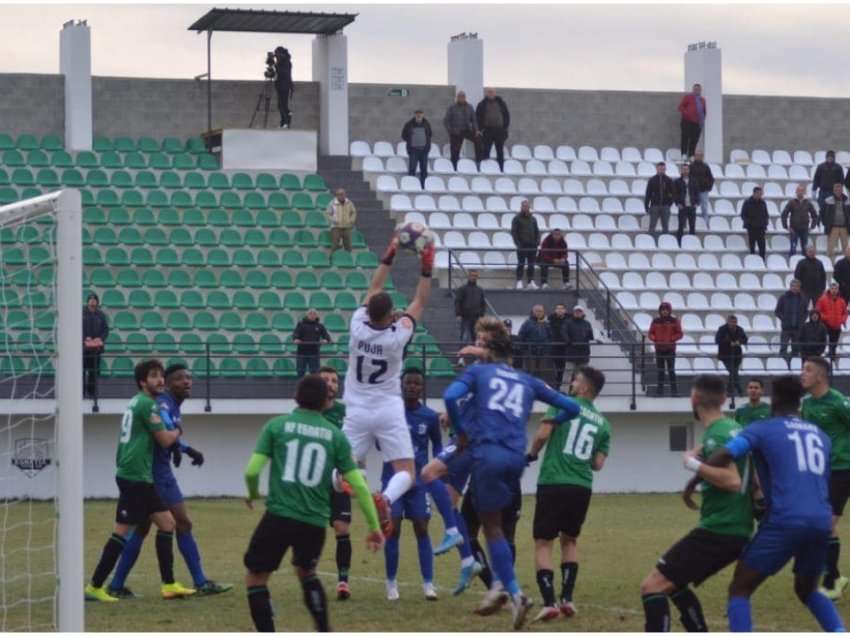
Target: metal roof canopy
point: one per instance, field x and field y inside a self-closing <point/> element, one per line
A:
<point x="262" y="21"/>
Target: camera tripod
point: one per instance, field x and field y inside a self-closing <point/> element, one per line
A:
<point x="263" y="99"/>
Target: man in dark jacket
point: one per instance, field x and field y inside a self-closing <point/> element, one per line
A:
<point x="812" y="276"/>
<point x="526" y="236"/>
<point x="701" y="173"/>
<point x="841" y="274"/>
<point x="535" y="336"/>
<point x="827" y="175"/>
<point x="687" y="195"/>
<point x="578" y="334"/>
<point x="798" y="216"/>
<point x="493" y="122"/>
<point x="95" y="333"/>
<point x="557" y="324"/>
<point x="553" y="253"/>
<point x="755" y="217"/>
<point x="730" y="339"/>
<point x="791" y="311"/>
<point x="417" y="135"/>
<point x="835" y="216"/>
<point x="460" y="124"/>
<point x="309" y="334"/>
<point x="469" y="306"/>
<point x="813" y="337"/>
<point x="659" y="196"/>
<point x="664" y="332"/>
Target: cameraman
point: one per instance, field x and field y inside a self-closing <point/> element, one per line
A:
<point x="282" y="74"/>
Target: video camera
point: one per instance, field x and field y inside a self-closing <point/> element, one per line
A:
<point x="270" y="63"/>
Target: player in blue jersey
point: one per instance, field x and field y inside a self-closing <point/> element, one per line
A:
<point x="178" y="387"/>
<point x="792" y="459"/>
<point x="496" y="437"/>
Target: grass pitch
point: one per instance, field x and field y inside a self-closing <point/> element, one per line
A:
<point x="622" y="538"/>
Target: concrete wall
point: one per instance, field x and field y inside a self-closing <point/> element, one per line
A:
<point x="32" y="104"/>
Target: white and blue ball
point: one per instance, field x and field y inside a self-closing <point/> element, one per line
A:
<point x="414" y="236"/>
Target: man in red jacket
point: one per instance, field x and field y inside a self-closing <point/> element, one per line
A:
<point x="833" y="314"/>
<point x="665" y="331"/>
<point x="692" y="109"/>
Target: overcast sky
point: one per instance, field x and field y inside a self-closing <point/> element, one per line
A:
<point x="767" y="49"/>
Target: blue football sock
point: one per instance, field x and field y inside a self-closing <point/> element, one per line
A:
<point x="740" y="614"/>
<point x="426" y="558"/>
<point x="443" y="501"/>
<point x="824" y="611"/>
<point x="391" y="557"/>
<point x="127" y="561"/>
<point x="464" y="548"/>
<point x="502" y="563"/>
<point x="189" y="549"/>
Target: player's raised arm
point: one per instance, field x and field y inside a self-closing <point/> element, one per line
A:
<point x="456" y="391"/>
<point x="423" y="290"/>
<point x="379" y="278"/>
<point x="568" y="407"/>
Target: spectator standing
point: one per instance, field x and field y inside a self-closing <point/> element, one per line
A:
<point x="833" y="312"/>
<point x="417" y="135"/>
<point x="342" y="215"/>
<point x="687" y="197"/>
<point x="469" y="306"/>
<point x="578" y="334"/>
<point x="535" y="335"/>
<point x="493" y="122"/>
<point x="755" y="217"/>
<point x="664" y="332"/>
<point x="835" y="217"/>
<point x="693" y="112"/>
<point x="460" y="124"/>
<point x="553" y="253"/>
<point x="812" y="276"/>
<point x="701" y="173"/>
<point x="798" y="216"/>
<point x="557" y="324"/>
<point x="813" y="337"/>
<point x="730" y="339"/>
<point x="841" y="274"/>
<point x="526" y="237"/>
<point x="827" y="174"/>
<point x="95" y="333"/>
<point x="309" y="335"/>
<point x="791" y="311"/>
<point x="659" y="196"/>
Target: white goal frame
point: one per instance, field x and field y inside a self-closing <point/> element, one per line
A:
<point x="66" y="205"/>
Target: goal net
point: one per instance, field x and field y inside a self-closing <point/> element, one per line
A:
<point x="41" y="528"/>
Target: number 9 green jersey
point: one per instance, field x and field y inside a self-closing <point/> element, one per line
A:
<point x="134" y="457"/>
<point x="573" y="445"/>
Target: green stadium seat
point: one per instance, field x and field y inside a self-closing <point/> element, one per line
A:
<point x="167" y="257"/>
<point x="295" y="301"/>
<point x="6" y="142"/>
<point x="121" y="179"/>
<point x="282" y="280"/>
<point x="154" y="279"/>
<point x="38" y="256"/>
<point x="134" y="198"/>
<point x="256" y="322"/>
<point x="292" y="258"/>
<point x="195" y="145"/>
<point x="314" y="183"/>
<point x="128" y="278"/>
<point x="124" y="144"/>
<point x="111" y="160"/>
<point x="179" y="279"/>
<point x="205" y="200"/>
<point x="191" y="343"/>
<point x="204" y="321"/>
<point x="291" y="219"/>
<point x="305" y="239"/>
<point x="318" y="259"/>
<point x="441" y="368"/>
<point x="278" y="201"/>
<point x="13" y="159"/>
<point x="205" y="237"/>
<point x="218" y="300"/>
<point x="192" y="299"/>
<point x="8" y="195"/>
<point x="37" y="159"/>
<point x="126" y="321"/>
<point x="107" y="198"/>
<point x="206" y="279"/>
<point x="146" y="144"/>
<point x="29" y="234"/>
<point x="254" y="201"/>
<point x="61" y="159"/>
<point x="72" y="178"/>
<point x="268" y="218"/>
<point x="268" y="258"/>
<point x="86" y="159"/>
<point x="230" y="368"/>
<point x="231" y="321"/>
<point x="332" y="280"/>
<point x="339" y="364"/>
<point x="244" y="258"/>
<point x="145" y="180"/>
<point x="91" y="256"/>
<point x="122" y="368"/>
<point x="257" y="368"/>
<point x="23" y="177"/>
<point x="270" y="343"/>
<point x="102" y="278"/>
<point x="345" y="301"/>
<point x="306" y="280"/>
<point x="284" y="368"/>
<point x="242" y="181"/>
<point x="218" y="181"/>
<point x="270" y="301"/>
<point x="181" y="237"/>
<point x="170" y="180"/>
<point x="119" y="216"/>
<point x="399" y="301"/>
<point x="427" y="342"/>
<point x="4" y="178"/>
<point x="302" y="201"/>
<point x="19" y="319"/>
<point x="135" y="161"/>
<point x="164" y="343"/>
<point x="244" y="301"/>
<point x="114" y="299"/>
<point x="184" y="161"/>
<point x="172" y="145"/>
<point x="26" y="142"/>
<point x="144" y="217"/>
<point x="244" y="218"/>
<point x="156" y="199"/>
<point x="256" y="238"/>
<point x="218" y="218"/>
<point x="30" y="193"/>
<point x="138" y="343"/>
<point x="128" y="236"/>
<point x="366" y="260"/>
<point x="218" y="258"/>
<point x="181" y="199"/>
<point x="101" y="144"/>
<point x="207" y="161"/>
<point x="156" y="237"/>
<point x="316" y="219"/>
<point x="159" y="161"/>
<point x="178" y="321"/>
<point x="194" y="181"/>
<point x="192" y="258"/>
<point x="255" y="279"/>
<point x="105" y="236"/>
<point x="231" y="279"/>
<point x="230" y="238"/>
<point x="202" y="368"/>
<point x="230" y="200"/>
<point x="7" y="237"/>
<point x="283" y="323"/>
<point x="218" y="344"/>
<point x="194" y="217"/>
<point x="290" y="182"/>
<point x="342" y="260"/>
<point x="320" y="301"/>
<point x="265" y="181"/>
<point x="51" y="143"/>
<point x="169" y="216"/>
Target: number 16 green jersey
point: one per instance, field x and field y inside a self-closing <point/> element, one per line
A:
<point x="568" y="459"/>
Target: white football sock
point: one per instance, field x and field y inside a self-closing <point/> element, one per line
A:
<point x="399" y="484"/>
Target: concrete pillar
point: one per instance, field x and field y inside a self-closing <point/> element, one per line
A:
<point x="75" y="65"/>
<point x="703" y="66"/>
<point x="330" y="70"/>
<point x="466" y="66"/>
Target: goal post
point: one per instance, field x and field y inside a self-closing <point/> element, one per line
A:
<point x="65" y="208"/>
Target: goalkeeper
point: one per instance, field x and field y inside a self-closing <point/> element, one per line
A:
<point x="178" y="385"/>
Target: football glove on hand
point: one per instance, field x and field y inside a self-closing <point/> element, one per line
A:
<point x="427" y="260"/>
<point x="197" y="456"/>
<point x="389" y="254"/>
<point x="176" y="455"/>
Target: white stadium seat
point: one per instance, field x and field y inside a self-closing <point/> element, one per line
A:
<point x="621" y="242"/>
<point x="489" y="166"/>
<point x="494" y="260"/>
<point x="573" y="186"/>
<point x="777" y="172"/>
<point x="558" y="168"/>
<point x="603" y="169"/>
<point x="487" y="221"/>
<point x="503" y="239"/>
<point x="634" y="206"/>
<point x="631" y="154"/>
<point x="580" y="168"/>
<point x="656" y="280"/>
<point x="521" y="152"/>
<point x="575" y="241"/>
<point x="625" y="169"/>
<point x="612" y="205"/>
<point x="739" y="156"/>
<point x="613" y="260"/>
<point x="448" y="203"/>
<point x="729" y="189"/>
<point x="566" y="204"/>
<point x="542" y="204"/>
<point x="799" y="173"/>
<point x="642" y="320"/>
<point x="633" y="281"/>
<point x="609" y="153"/>
<point x="505" y="185"/>
<point x="803" y="158"/>
<point x="782" y="158"/>
<point x="708" y="263"/>
<point x="598" y="241"/>
<point x="535" y="167"/>
<point x="372" y="164"/>
<point x="458" y="184"/>
<point x="619" y="187"/>
<point x="383" y="149"/>
<point x="685" y="262"/>
<point x="748" y="281"/>
<point x="691" y="322"/>
<point x="673" y="155"/>
<point x="588" y="205"/>
<point x="649" y="300"/>
<point x="439" y="221"/>
<point x="588" y="153"/>
<point x="424" y="203"/>
<point x="359" y="149"/>
<point x="606" y="222"/>
<point x="513" y="167"/>
<point x="527" y="185"/>
<point x="697" y="301"/>
<point x="463" y="221"/>
<point x="756" y="171"/>
<point x="644" y="242"/>
<point x="582" y="222"/>
<point x="646" y="169"/>
<point x="481" y="185"/>
<point x="400" y="202"/>
<point x="415" y="217"/>
<point x="395" y="164"/>
<point x="550" y="186"/>
<point x="478" y="239"/>
<point x="559" y="221"/>
<point x="639" y="187"/>
<point x="662" y="262"/>
<point x="496" y="204"/>
<point x="443" y="166"/>
<point x="627" y="300"/>
<point x="543" y="153"/>
<point x="410" y="184"/>
<point x="653" y="155"/>
<point x="734" y="171"/>
<point x="565" y="153"/>
<point x="453" y="240"/>
<point x="467" y="166"/>
<point x="610" y="280"/>
<point x="386" y="183"/>
<point x="435" y="184"/>
<point x="596" y="187"/>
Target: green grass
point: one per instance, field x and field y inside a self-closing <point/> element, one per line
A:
<point x="622" y="538"/>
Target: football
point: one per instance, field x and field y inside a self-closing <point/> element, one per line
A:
<point x="414" y="236"/>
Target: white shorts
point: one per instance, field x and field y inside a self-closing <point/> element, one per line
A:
<point x="384" y="423"/>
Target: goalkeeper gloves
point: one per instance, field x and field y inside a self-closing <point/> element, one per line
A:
<point x="176" y="455"/>
<point x="389" y="254"/>
<point x="197" y="456"/>
<point x="427" y="261"/>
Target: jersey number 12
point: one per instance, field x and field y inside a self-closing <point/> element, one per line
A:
<point x="379" y="366"/>
<point x="810" y="457"/>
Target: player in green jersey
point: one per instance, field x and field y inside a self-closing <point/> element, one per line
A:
<point x="141" y="428"/>
<point x="334" y="412"/>
<point x="573" y="451"/>
<point x="304" y="449"/>
<point x="830" y="410"/>
<point x="725" y="525"/>
<point x="754" y="409"/>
